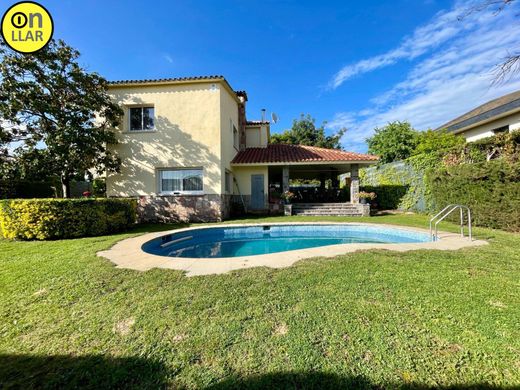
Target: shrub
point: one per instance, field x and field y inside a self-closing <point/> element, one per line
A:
<point x="45" y="219"/>
<point x="490" y="189"/>
<point x="398" y="185"/>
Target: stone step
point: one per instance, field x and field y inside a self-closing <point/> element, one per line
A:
<point x="323" y="204"/>
<point x="327" y="215"/>
<point x="323" y="212"/>
<point x="326" y="207"/>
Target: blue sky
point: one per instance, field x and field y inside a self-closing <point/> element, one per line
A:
<point x="356" y="64"/>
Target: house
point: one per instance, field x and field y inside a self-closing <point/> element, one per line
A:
<point x="496" y="116"/>
<point x="189" y="153"/>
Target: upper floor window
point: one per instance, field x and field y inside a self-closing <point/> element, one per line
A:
<point x="142" y="118"/>
<point x="235" y="137"/>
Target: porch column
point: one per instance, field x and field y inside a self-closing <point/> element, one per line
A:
<point x="354" y="183"/>
<point x="285" y="179"/>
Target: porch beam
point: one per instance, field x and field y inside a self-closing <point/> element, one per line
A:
<point x="285" y="178"/>
<point x="354" y="183"/>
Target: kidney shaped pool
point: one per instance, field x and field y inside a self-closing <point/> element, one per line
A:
<point x="233" y="241"/>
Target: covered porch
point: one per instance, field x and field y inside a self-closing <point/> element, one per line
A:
<point x="323" y="181"/>
<point x="316" y="183"/>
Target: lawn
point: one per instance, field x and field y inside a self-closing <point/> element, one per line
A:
<point x="368" y="319"/>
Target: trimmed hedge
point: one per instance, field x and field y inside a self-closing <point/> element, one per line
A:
<point x="398" y="185"/>
<point x="388" y="197"/>
<point x="490" y="189"/>
<point x="46" y="219"/>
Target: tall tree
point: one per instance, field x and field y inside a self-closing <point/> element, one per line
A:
<point x="305" y="132"/>
<point x="48" y="99"/>
<point x="395" y="141"/>
<point x="437" y="141"/>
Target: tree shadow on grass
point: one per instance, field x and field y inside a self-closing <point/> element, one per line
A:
<point x="101" y="372"/>
<point x="321" y="380"/>
<point x="80" y="372"/>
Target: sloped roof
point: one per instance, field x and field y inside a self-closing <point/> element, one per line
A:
<point x="167" y="80"/>
<point x="278" y="153"/>
<point x="177" y="80"/>
<point x="485" y="111"/>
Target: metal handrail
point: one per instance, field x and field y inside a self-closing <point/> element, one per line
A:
<point x="445" y="212"/>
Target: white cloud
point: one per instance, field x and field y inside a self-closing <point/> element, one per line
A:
<point x="454" y="78"/>
<point x="168" y="58"/>
<point x="442" y="28"/>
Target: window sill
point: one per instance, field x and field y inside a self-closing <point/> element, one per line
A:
<point x="139" y="131"/>
<point x="181" y="194"/>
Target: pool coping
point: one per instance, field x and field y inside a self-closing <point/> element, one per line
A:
<point x="128" y="253"/>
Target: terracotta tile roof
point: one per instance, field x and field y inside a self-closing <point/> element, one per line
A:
<point x="258" y="123"/>
<point x="277" y="153"/>
<point x="485" y="111"/>
<point x="167" y="80"/>
<point x="178" y="79"/>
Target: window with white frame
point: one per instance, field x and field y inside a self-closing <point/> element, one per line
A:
<point x="235" y="137"/>
<point x="228" y="182"/>
<point x="180" y="181"/>
<point x="142" y="118"/>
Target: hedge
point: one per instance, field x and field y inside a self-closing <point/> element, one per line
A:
<point x="398" y="185"/>
<point x="490" y="189"/>
<point x="46" y="219"/>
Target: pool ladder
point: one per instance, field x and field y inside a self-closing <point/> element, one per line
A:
<point x="434" y="235"/>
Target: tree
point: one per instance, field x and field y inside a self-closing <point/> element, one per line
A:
<point x="431" y="141"/>
<point x="28" y="164"/>
<point x="304" y="132"/>
<point x="511" y="63"/>
<point x="48" y="100"/>
<point x="395" y="141"/>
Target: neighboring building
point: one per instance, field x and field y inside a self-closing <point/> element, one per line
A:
<point x="188" y="151"/>
<point x="496" y="116"/>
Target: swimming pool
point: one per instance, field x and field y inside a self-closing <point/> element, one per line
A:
<point x="236" y="241"/>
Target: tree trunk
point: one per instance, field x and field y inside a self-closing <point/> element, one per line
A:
<point x="65" y="185"/>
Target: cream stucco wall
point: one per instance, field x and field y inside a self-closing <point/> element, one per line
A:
<point x="243" y="177"/>
<point x="193" y="129"/>
<point x="187" y="135"/>
<point x="256" y="136"/>
<point x="486" y="130"/>
<point x="228" y="118"/>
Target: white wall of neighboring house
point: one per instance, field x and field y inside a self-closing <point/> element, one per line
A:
<point x="487" y="129"/>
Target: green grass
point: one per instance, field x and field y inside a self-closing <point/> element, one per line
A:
<point x="369" y="319"/>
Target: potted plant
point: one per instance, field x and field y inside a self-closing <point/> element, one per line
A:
<point x="286" y="197"/>
<point x="365" y="197"/>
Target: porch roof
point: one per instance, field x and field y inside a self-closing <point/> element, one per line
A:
<point x="278" y="154"/>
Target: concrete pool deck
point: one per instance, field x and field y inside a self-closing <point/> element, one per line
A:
<point x="128" y="253"/>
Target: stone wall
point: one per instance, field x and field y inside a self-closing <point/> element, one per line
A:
<point x="184" y="208"/>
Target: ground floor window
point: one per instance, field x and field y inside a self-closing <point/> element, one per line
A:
<point x="228" y="182"/>
<point x="180" y="181"/>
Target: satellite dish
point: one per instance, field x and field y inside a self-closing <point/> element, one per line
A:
<point x="274" y="117"/>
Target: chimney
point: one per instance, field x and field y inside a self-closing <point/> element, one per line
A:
<point x="263" y="114"/>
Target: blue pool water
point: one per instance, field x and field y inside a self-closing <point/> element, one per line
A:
<point x="260" y="239"/>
